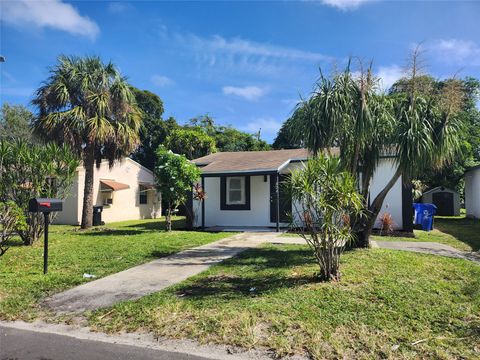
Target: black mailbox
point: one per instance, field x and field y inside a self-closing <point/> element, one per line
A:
<point x="44" y="205"/>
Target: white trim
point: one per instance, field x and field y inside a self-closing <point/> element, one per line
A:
<point x="286" y="163"/>
<point x="237" y="171"/>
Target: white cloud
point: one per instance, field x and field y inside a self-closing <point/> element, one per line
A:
<point x="250" y="93"/>
<point x="345" y="4"/>
<point x="457" y="52"/>
<point x="268" y="127"/>
<point x="239" y="55"/>
<point x="160" y="80"/>
<point x="389" y="75"/>
<point x="244" y="47"/>
<point x="53" y="14"/>
<point x="118" y="7"/>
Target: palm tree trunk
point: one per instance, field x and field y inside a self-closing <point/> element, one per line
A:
<point x="87" y="211"/>
<point x="373" y="211"/>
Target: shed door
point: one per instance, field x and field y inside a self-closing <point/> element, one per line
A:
<point x="444" y="203"/>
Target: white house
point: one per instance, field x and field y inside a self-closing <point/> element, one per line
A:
<point x="446" y="200"/>
<point x="472" y="192"/>
<point x="126" y="191"/>
<point x="241" y="189"/>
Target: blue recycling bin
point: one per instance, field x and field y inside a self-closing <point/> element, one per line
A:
<point x="424" y="214"/>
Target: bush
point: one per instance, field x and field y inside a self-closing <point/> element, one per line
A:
<point x="28" y="171"/>
<point x="174" y="176"/>
<point x="387" y="223"/>
<point x="12" y="219"/>
<point x="324" y="200"/>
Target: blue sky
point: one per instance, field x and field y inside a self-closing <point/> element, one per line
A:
<point x="244" y="63"/>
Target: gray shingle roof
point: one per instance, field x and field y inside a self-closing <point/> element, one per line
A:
<point x="248" y="161"/>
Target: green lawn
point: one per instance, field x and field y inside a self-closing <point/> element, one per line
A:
<point x="100" y="251"/>
<point x="457" y="231"/>
<point x="388" y="304"/>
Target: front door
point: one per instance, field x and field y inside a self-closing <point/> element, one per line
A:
<point x="285" y="200"/>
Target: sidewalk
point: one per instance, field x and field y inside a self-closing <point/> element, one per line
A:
<point x="153" y="276"/>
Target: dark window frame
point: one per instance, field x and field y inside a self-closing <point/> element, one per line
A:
<point x="223" y="194"/>
<point x="143" y="196"/>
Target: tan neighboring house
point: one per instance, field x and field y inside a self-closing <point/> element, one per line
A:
<point x="126" y="191"/>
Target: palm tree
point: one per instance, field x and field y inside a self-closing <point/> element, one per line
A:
<point x="348" y="111"/>
<point x="88" y="105"/>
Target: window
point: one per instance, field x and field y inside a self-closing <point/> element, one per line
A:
<point x="143" y="195"/>
<point x="107" y="198"/>
<point x="235" y="193"/>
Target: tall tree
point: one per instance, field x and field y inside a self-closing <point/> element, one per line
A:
<point x="191" y="142"/>
<point x="285" y="138"/>
<point x="154" y="129"/>
<point x="347" y="111"/>
<point x="227" y="138"/>
<point x="15" y="121"/>
<point x="88" y="105"/>
<point x="451" y="175"/>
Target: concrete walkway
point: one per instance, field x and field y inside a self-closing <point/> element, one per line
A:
<point x="153" y="276"/>
<point x="427" y="248"/>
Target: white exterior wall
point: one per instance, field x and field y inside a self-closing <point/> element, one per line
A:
<point x="393" y="201"/>
<point x="259" y="213"/>
<point x="472" y="193"/>
<point x="125" y="202"/>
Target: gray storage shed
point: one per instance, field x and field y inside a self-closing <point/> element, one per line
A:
<point x="446" y="200"/>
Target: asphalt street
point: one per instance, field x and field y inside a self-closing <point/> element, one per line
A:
<point x="31" y="345"/>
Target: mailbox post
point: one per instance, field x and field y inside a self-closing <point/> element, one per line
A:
<point x="45" y="206"/>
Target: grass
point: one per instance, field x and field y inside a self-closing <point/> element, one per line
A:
<point x="457" y="231"/>
<point x="388" y="304"/>
<point x="101" y="251"/>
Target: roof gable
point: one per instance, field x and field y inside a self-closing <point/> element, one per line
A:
<point x="439" y="189"/>
<point x="120" y="162"/>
